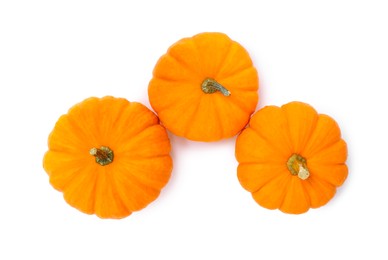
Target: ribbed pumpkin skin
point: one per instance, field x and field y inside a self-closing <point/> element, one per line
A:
<point x="273" y="136"/>
<point x="141" y="166"/>
<point x="175" y="90"/>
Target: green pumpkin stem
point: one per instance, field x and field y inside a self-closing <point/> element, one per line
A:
<point x="297" y="165"/>
<point x="104" y="155"/>
<point x="210" y="86"/>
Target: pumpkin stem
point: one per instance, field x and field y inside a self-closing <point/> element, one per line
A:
<point x="104" y="155"/>
<point x="297" y="165"/>
<point x="209" y="86"/>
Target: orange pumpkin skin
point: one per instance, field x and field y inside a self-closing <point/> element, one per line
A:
<point x="267" y="153"/>
<point x="176" y="94"/>
<point x="141" y="164"/>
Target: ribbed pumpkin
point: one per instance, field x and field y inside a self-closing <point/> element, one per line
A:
<point x="204" y="88"/>
<point x="108" y="156"/>
<point x="291" y="158"/>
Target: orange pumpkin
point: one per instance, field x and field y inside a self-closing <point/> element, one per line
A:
<point x="204" y="88"/>
<point x="291" y="158"/>
<point x="108" y="156"/>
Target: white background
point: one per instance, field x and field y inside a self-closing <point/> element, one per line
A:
<point x="330" y="54"/>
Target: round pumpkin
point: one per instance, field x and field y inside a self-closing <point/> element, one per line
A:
<point x="291" y="158"/>
<point x="204" y="88"/>
<point x="109" y="157"/>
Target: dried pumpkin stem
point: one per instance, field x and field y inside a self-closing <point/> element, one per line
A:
<point x="297" y="165"/>
<point x="210" y="86"/>
<point x="104" y="155"/>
